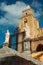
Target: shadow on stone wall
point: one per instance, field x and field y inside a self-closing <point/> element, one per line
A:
<point x="15" y="60"/>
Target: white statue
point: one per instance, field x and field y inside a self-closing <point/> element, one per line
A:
<point x="27" y="36"/>
<point x="27" y="31"/>
<point x="7" y="37"/>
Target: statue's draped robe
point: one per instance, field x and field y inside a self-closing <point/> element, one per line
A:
<point x="27" y="36"/>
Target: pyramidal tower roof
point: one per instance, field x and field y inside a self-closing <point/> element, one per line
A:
<point x="28" y="7"/>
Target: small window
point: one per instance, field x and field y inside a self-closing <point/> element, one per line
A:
<point x="25" y="21"/>
<point x="26" y="13"/>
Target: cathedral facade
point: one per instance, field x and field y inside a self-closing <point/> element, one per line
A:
<point x="36" y="33"/>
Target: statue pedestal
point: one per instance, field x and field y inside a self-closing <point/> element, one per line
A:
<point x="6" y="44"/>
<point x="27" y="45"/>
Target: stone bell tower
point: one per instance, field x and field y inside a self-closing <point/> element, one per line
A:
<point x="27" y="16"/>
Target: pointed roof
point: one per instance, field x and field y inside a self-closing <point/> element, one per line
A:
<point x="28" y="7"/>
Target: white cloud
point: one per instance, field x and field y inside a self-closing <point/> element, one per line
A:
<point x="3" y="20"/>
<point x="38" y="8"/>
<point x="2" y="5"/>
<point x="13" y="12"/>
<point x="36" y="4"/>
<point x="15" y="9"/>
<point x="9" y="20"/>
<point x="37" y="14"/>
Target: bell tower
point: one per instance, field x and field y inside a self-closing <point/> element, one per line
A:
<point x="33" y="24"/>
<point x="27" y="15"/>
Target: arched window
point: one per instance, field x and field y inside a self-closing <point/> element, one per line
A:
<point x="39" y="47"/>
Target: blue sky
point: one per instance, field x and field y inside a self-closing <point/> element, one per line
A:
<point x="11" y="11"/>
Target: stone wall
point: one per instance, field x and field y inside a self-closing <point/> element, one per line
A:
<point x="20" y="43"/>
<point x="35" y="43"/>
<point x="40" y="32"/>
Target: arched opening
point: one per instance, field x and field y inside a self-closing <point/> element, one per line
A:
<point x="39" y="47"/>
<point x="26" y="13"/>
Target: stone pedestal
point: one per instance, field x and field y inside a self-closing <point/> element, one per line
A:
<point x="6" y="44"/>
<point x="26" y="46"/>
